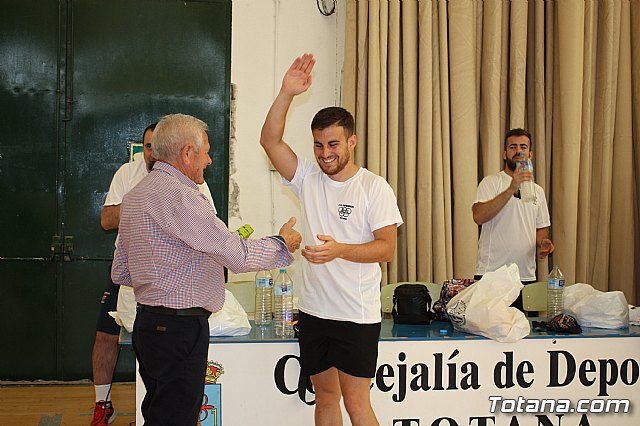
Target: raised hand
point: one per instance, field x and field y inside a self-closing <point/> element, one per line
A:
<point x="298" y="77"/>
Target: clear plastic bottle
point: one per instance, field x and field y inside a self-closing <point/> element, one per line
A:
<point x="264" y="298"/>
<point x="283" y="305"/>
<point x="555" y="288"/>
<point x="527" y="188"/>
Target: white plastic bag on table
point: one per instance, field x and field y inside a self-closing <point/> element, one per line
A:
<point x="231" y="320"/>
<point x="634" y="315"/>
<point x="125" y="314"/>
<point x="484" y="308"/>
<point x="595" y="308"/>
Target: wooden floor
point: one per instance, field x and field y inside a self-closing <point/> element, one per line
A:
<point x="61" y="404"/>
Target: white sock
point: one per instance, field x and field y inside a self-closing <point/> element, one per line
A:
<point x="103" y="392"/>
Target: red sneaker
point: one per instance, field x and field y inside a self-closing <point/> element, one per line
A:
<point x="103" y="414"/>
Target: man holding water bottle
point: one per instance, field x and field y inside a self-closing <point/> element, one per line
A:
<point x="513" y="227"/>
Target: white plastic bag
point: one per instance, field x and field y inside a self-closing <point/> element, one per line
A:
<point x="125" y="315"/>
<point x="484" y="308"/>
<point x="594" y="308"/>
<point x="634" y="315"/>
<point x="231" y="320"/>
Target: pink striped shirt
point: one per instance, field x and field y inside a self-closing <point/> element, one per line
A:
<point x="172" y="248"/>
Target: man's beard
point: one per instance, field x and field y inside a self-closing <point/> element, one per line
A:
<point x="512" y="163"/>
<point x="341" y="164"/>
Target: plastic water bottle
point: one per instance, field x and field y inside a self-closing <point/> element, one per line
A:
<point x="527" y="188"/>
<point x="264" y="295"/>
<point x="283" y="304"/>
<point x="555" y="287"/>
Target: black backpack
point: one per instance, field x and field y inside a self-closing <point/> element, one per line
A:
<point x="411" y="304"/>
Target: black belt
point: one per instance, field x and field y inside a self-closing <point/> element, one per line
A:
<point x="187" y="312"/>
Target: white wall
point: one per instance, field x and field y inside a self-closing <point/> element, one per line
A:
<point x="267" y="35"/>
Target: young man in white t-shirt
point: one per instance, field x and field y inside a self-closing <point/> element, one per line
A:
<point x="350" y="218"/>
<point x="512" y="229"/>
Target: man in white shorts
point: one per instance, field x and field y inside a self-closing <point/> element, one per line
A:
<point x="350" y="218"/>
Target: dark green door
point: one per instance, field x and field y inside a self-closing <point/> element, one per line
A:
<point x="122" y="65"/>
<point x="29" y="124"/>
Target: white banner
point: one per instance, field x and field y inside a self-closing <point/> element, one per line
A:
<point x="572" y="381"/>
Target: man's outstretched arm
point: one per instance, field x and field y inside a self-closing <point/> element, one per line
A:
<point x="296" y="81"/>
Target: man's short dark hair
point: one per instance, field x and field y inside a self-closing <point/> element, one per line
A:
<point x="151" y="127"/>
<point x="331" y="116"/>
<point x="518" y="132"/>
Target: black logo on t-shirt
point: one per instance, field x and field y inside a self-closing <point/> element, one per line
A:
<point x="344" y="210"/>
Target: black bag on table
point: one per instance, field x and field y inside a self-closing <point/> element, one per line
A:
<point x="411" y="304"/>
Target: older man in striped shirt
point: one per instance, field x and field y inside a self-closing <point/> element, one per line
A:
<point x="172" y="250"/>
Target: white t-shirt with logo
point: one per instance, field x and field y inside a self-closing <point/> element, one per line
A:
<point x="510" y="237"/>
<point x="349" y="212"/>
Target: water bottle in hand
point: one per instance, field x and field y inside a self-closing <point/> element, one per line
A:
<point x="527" y="188"/>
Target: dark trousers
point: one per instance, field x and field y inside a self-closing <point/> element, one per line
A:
<point x="516" y="303"/>
<point x="172" y="356"/>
